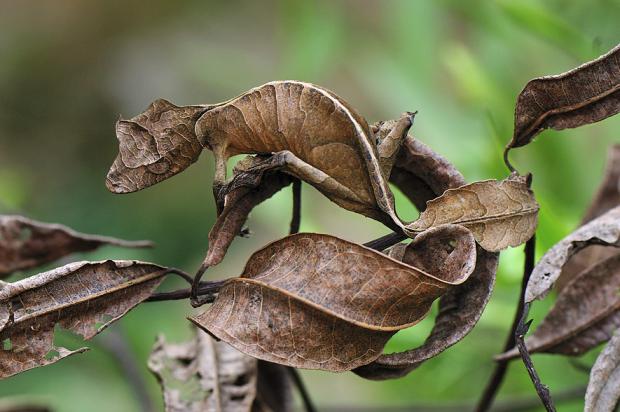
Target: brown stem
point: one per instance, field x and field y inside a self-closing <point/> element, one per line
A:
<point x="305" y="395"/>
<point x="296" y="219"/>
<point x="115" y="342"/>
<point x="206" y="290"/>
<point x="295" y="222"/>
<point x="541" y="389"/>
<point x="385" y="241"/>
<point x="495" y="382"/>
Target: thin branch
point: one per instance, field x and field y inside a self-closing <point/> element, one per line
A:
<point x="518" y="404"/>
<point x="206" y="290"/>
<point x="115" y="343"/>
<point x="296" y="219"/>
<point x="386" y="241"/>
<point x="295" y="222"/>
<point x="541" y="389"/>
<point x="305" y="395"/>
<point x="495" y="382"/>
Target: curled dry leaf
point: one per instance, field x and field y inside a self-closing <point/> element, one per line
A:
<point x="584" y="314"/>
<point x="204" y="375"/>
<point x="254" y="181"/>
<point x="499" y="213"/>
<point x="83" y="297"/>
<point x="604" y="386"/>
<point x="422" y="175"/>
<point x="604" y="230"/>
<point x="318" y="302"/>
<point x="26" y="243"/>
<point x="584" y="95"/>
<point x="607" y="197"/>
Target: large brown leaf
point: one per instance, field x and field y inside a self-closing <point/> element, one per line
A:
<point x="499" y="213"/>
<point x="584" y="95"/>
<point x="606" y="197"/>
<point x="26" y="243"/>
<point x="319" y="302"/>
<point x="154" y="146"/>
<point x="584" y="314"/>
<point x="422" y="174"/>
<point x="604" y="230"/>
<point x="204" y="375"/>
<point x="83" y="297"/>
<point x="604" y="386"/>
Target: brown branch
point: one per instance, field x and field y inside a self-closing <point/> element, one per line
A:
<point x="541" y="389"/>
<point x="115" y="343"/>
<point x="385" y="241"/>
<point x="495" y="382"/>
<point x="207" y="290"/>
<point x="296" y="219"/>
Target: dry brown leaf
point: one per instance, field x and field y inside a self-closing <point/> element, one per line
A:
<point x="586" y="94"/>
<point x="422" y="175"/>
<point x="154" y="146"/>
<point x="499" y="213"/>
<point x="604" y="230"/>
<point x="319" y="302"/>
<point x="83" y="297"/>
<point x="26" y="243"/>
<point x="607" y="197"/>
<point x="250" y="186"/>
<point x="204" y="375"/>
<point x="584" y="314"/>
<point x="604" y="386"/>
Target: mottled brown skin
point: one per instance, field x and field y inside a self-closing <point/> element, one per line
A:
<point x="313" y="134"/>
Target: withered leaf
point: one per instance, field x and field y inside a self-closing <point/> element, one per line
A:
<point x="318" y="302"/>
<point x="26" y="243"/>
<point x="254" y="181"/>
<point x="586" y="94"/>
<point x="604" y="230"/>
<point x="421" y="174"/>
<point x="83" y="297"/>
<point x="604" y="386"/>
<point x="154" y="146"/>
<point x="607" y="197"/>
<point x="204" y="375"/>
<point x="584" y="314"/>
<point x="499" y="213"/>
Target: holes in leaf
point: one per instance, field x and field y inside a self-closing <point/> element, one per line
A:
<point x="7" y="344"/>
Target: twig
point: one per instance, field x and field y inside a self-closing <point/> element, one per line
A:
<point x="295" y="222"/>
<point x="207" y="290"/>
<point x="518" y="404"/>
<point x="296" y="219"/>
<point x="305" y="395"/>
<point x="115" y="342"/>
<point x="495" y="382"/>
<point x="386" y="241"/>
<point x="541" y="389"/>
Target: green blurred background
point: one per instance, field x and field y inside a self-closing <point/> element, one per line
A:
<point x="68" y="68"/>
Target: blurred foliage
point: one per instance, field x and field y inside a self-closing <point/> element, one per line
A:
<point x="68" y="68"/>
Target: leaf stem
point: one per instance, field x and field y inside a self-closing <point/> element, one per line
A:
<point x="207" y="290"/>
<point x="305" y="395"/>
<point x="497" y="378"/>
<point x="296" y="219"/>
<point x="385" y="241"/>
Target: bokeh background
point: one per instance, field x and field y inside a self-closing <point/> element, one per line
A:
<point x="69" y="68"/>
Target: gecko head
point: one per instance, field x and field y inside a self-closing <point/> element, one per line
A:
<point x="154" y="145"/>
